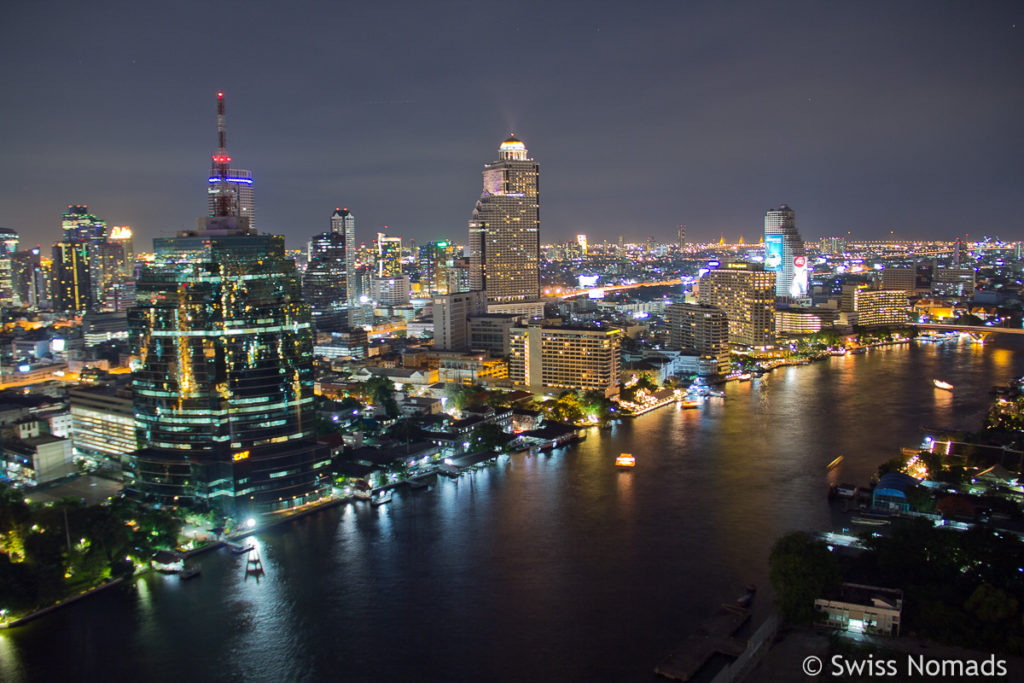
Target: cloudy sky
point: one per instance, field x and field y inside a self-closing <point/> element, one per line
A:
<point x="867" y="117"/>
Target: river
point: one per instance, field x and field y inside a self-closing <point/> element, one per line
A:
<point x="554" y="567"/>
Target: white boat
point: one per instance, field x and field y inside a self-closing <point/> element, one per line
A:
<point x="384" y="497"/>
<point x="939" y="384"/>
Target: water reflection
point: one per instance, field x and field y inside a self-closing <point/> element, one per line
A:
<point x="499" y="574"/>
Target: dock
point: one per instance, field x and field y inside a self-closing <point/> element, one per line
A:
<point x="715" y="636"/>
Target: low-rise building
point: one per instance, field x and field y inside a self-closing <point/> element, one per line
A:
<point x="863" y="609"/>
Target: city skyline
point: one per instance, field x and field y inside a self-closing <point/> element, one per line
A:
<point x="867" y="119"/>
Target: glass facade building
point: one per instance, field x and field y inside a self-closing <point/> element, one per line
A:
<point x="223" y="382"/>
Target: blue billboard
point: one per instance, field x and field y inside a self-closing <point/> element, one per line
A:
<point x="773" y="252"/>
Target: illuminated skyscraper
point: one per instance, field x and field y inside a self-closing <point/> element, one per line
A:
<point x="325" y="282"/>
<point x="72" y="289"/>
<point x="784" y="253"/>
<point x="389" y="255"/>
<point x="229" y="190"/>
<point x="223" y="382"/>
<point x="344" y="223"/>
<point x="504" y="232"/>
<point x="436" y="259"/>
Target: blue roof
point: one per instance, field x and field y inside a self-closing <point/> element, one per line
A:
<point x="896" y="481"/>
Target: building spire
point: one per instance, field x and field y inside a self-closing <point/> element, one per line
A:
<point x="224" y="206"/>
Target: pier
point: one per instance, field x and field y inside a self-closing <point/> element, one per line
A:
<point x="715" y="636"/>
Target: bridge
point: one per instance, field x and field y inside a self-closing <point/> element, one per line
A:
<point x="976" y="330"/>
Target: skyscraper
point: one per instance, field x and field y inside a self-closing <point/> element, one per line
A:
<point x="233" y="188"/>
<point x="344" y="223"/>
<point x="223" y="382"/>
<point x="436" y="259"/>
<point x="325" y="282"/>
<point x="72" y="281"/>
<point x="504" y="232"/>
<point x="784" y="252"/>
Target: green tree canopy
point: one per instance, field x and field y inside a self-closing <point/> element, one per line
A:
<point x="801" y="569"/>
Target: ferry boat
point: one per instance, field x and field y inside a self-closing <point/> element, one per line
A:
<point x="625" y="460"/>
<point x="834" y="463"/>
<point x="939" y="384"/>
<point x="384" y="497"/>
<point x="239" y="549"/>
<point x="690" y="403"/>
<point x="189" y="572"/>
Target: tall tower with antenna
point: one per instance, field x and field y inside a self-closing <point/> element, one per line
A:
<point x="229" y="189"/>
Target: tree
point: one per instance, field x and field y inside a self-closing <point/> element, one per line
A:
<point x="801" y="569"/>
<point x="382" y="391"/>
<point x="489" y="437"/>
<point x="990" y="605"/>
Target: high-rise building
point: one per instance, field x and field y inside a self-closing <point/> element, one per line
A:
<point x="325" y="283"/>
<point x="954" y="282"/>
<point x="228" y="190"/>
<point x="436" y="259"/>
<point x="223" y="381"/>
<point x="81" y="226"/>
<point x="543" y="357"/>
<point x="681" y="237"/>
<point x="27" y="280"/>
<point x="836" y="246"/>
<point x="72" y="280"/>
<point x="504" y="232"/>
<point x="784" y="253"/>
<point x="702" y="330"/>
<point x="8" y="247"/>
<point x="746" y="293"/>
<point x="903" y="279"/>
<point x="880" y="307"/>
<point x="389" y="255"/>
<point x="344" y="223"/>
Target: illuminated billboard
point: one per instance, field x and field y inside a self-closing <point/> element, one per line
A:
<point x="773" y="252"/>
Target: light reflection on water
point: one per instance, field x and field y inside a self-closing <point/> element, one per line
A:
<point x="535" y="567"/>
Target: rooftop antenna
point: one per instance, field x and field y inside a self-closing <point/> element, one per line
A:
<point x="224" y="206"/>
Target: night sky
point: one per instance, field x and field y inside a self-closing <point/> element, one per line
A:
<point x="863" y="116"/>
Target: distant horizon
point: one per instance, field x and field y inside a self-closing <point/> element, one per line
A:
<point x="863" y="118"/>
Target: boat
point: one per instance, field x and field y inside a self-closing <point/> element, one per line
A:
<point x="690" y="403"/>
<point x="254" y="566"/>
<point x="834" y="463"/>
<point x="239" y="549"/>
<point x="362" y="495"/>
<point x="745" y="377"/>
<point x="189" y="572"/>
<point x="625" y="460"/>
<point x="869" y="520"/>
<point x="939" y="384"/>
<point x="384" y="497"/>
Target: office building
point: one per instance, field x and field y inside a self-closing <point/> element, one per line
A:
<point x="72" y="277"/>
<point x="784" y="253"/>
<point x="953" y="282"/>
<point x="746" y="292"/>
<point x="504" y="232"/>
<point x="344" y="223"/>
<point x="550" y="359"/>
<point x="436" y="259"/>
<point x="27" y="282"/>
<point x="389" y="256"/>
<point x="223" y="381"/>
<point x="903" y="279"/>
<point x="451" y="319"/>
<point x="325" y="282"/>
<point x="701" y="330"/>
<point x="103" y="423"/>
